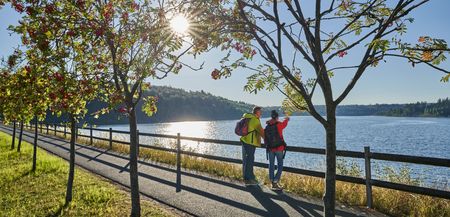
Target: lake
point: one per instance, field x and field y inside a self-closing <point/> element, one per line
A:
<point x="411" y="136"/>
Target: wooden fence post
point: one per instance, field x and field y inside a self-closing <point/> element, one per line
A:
<point x="90" y="134"/>
<point x="178" y="187"/>
<point x="14" y="136"/>
<point x="137" y="138"/>
<point x="110" y="138"/>
<point x="46" y="125"/>
<point x="65" y="131"/>
<point x="41" y="127"/>
<point x="55" y="129"/>
<point x="368" y="176"/>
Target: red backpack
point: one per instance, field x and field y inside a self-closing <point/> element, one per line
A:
<point x="241" y="128"/>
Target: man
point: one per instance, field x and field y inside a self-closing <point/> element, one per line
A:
<point x="249" y="144"/>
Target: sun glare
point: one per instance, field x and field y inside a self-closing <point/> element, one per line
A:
<point x="179" y="24"/>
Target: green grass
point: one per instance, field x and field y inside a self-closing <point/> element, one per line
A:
<point x="391" y="202"/>
<point x="42" y="193"/>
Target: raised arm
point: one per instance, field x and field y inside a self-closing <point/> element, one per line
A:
<point x="284" y="123"/>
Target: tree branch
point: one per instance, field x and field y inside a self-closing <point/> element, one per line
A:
<point x="364" y="62"/>
<point x="419" y="61"/>
<point x="348" y="26"/>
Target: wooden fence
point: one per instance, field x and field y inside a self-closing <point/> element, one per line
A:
<point x="367" y="155"/>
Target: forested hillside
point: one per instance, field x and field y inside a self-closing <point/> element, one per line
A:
<point x="175" y="105"/>
<point x="180" y="105"/>
<point x="439" y="109"/>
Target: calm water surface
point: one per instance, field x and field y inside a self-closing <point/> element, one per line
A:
<point x="411" y="136"/>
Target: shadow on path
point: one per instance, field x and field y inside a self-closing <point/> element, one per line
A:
<point x="273" y="209"/>
<point x="267" y="200"/>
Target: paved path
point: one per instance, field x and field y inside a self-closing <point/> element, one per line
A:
<point x="201" y="195"/>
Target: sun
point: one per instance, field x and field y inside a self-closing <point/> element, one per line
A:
<point x="179" y="24"/>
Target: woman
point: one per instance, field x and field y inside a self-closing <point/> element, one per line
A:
<point x="276" y="147"/>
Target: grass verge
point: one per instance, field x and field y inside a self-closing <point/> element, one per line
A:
<point x="42" y="193"/>
<point x="391" y="202"/>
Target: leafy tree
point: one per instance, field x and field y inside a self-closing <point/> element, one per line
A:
<point x="320" y="37"/>
<point x="5" y="88"/>
<point x="25" y="92"/>
<point x="132" y="40"/>
<point x="53" y="42"/>
<point x="140" y="45"/>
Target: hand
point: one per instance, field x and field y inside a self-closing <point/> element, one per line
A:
<point x="286" y="118"/>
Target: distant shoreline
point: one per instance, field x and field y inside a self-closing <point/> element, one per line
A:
<point x="167" y="122"/>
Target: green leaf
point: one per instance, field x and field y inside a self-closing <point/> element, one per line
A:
<point x="445" y="78"/>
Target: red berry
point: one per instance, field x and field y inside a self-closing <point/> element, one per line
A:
<point x="122" y="110"/>
<point x="52" y="96"/>
<point x="125" y="16"/>
<point x="18" y="7"/>
<point x="71" y="33"/>
<point x="99" y="32"/>
<point x="135" y="6"/>
<point x="80" y="3"/>
<point x="342" y="53"/>
<point x="215" y="74"/>
<point x="28" y="69"/>
<point x="50" y="8"/>
<point x="30" y="10"/>
<point x="58" y="76"/>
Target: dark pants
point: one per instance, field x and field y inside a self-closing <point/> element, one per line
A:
<point x="248" y="158"/>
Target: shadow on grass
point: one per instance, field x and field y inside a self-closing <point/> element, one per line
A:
<point x="59" y="211"/>
<point x="27" y="173"/>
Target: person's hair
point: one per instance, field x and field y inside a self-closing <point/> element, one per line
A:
<point x="274" y="114"/>
<point x="256" y="109"/>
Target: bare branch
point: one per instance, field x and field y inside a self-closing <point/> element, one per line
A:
<point x="369" y="53"/>
<point x="296" y="84"/>
<point x="277" y="21"/>
<point x="281" y="26"/>
<point x="348" y="26"/>
<point x="331" y="9"/>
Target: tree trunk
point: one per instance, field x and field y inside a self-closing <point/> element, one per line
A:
<point x="134" y="153"/>
<point x="20" y="136"/>
<point x="35" y="144"/>
<point x="13" y="136"/>
<point x="71" y="160"/>
<point x="330" y="175"/>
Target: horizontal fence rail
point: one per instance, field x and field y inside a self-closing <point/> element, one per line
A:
<point x="366" y="155"/>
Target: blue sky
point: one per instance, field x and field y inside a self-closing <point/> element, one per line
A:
<point x="392" y="82"/>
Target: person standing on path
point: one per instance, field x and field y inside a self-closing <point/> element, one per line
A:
<point x="251" y="133"/>
<point x="276" y="147"/>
